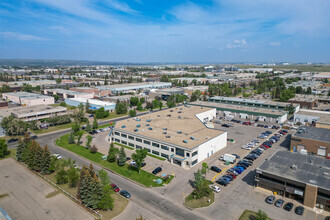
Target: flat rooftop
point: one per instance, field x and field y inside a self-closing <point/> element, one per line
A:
<point x="133" y="85"/>
<point x="69" y="92"/>
<point x="251" y="109"/>
<point x="39" y="109"/>
<point x="181" y="123"/>
<point x="311" y="169"/>
<point x="93" y="101"/>
<point x="303" y="98"/>
<point x="324" y="117"/>
<point x="27" y="95"/>
<point x="313" y="133"/>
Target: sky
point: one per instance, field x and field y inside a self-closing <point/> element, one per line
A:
<point x="209" y="31"/>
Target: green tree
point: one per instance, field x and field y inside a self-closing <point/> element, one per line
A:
<point x="261" y="215"/>
<point x="88" y="126"/>
<point x="87" y="106"/>
<point x="3" y="148"/>
<point x="155" y="104"/>
<point x="56" y="97"/>
<point x="121" y="157"/>
<point x="73" y="177"/>
<point x="63" y="104"/>
<point x="139" y="157"/>
<point x="205" y="168"/>
<point x="160" y="104"/>
<point x="75" y="127"/>
<point x="95" y="124"/>
<point x="104" y="178"/>
<point x="290" y="108"/>
<point x="20" y="148"/>
<point x="106" y="200"/>
<point x="139" y="106"/>
<point x="201" y="186"/>
<point x="58" y="80"/>
<point x="93" y="149"/>
<point x="132" y="113"/>
<point x="71" y="138"/>
<point x="46" y="160"/>
<point x="61" y="177"/>
<point x="134" y="101"/>
<point x="5" y="88"/>
<point x="89" y="141"/>
<point x="79" y="136"/>
<point x="112" y="154"/>
<point x="309" y="91"/>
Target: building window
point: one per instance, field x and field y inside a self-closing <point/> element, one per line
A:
<point x="117" y="140"/>
<point x="172" y="149"/>
<point x="165" y="147"/>
<point x="138" y="140"/>
<point x="131" y="137"/>
<point x="155" y="152"/>
<point x="155" y="144"/>
<point x="194" y="154"/>
<point x="124" y="142"/>
<point x="138" y="147"/>
<point x="146" y="142"/>
<point x="147" y="149"/>
<point x="117" y="133"/>
<point x="164" y="155"/>
<point x="179" y="152"/>
<point x="194" y="162"/>
<point x="130" y="144"/>
<point x="187" y="154"/>
<point x="124" y="135"/>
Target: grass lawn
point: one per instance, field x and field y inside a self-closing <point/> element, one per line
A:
<point x="143" y="177"/>
<point x="105" y="125"/>
<point x="113" y="115"/>
<point x="150" y="155"/>
<point x="12" y="153"/>
<point x="130" y="148"/>
<point x="246" y="215"/>
<point x="54" y="128"/>
<point x="119" y="206"/>
<point x="65" y="187"/>
<point x="198" y="203"/>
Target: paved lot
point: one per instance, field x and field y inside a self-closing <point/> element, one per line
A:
<point x="27" y="193"/>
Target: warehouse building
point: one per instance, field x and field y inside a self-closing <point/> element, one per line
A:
<point x="177" y="134"/>
<point x="27" y="98"/>
<point x="313" y="140"/>
<point x="246" y="112"/>
<point x="94" y="103"/>
<point x="134" y="87"/>
<point x="96" y="92"/>
<point x="304" y="178"/>
<point x="252" y="102"/>
<point x="304" y="101"/>
<point x="63" y="93"/>
<point x="319" y="119"/>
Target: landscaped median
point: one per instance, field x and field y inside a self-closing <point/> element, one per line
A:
<point x="193" y="203"/>
<point x="144" y="178"/>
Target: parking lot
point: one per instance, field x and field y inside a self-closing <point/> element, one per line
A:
<point x="26" y="196"/>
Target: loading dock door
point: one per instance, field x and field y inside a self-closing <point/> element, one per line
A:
<point x="321" y="151"/>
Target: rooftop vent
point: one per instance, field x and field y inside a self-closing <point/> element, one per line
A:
<point x="179" y="112"/>
<point x="171" y="110"/>
<point x="150" y="128"/>
<point x="164" y="129"/>
<point x="138" y="119"/>
<point x="185" y="141"/>
<point x="169" y="115"/>
<point x="180" y="108"/>
<point x="192" y="138"/>
<point x="138" y="126"/>
<point x="136" y="130"/>
<point x="164" y="132"/>
<point x="168" y="136"/>
<point x="148" y="120"/>
<point x="179" y="132"/>
<point x="124" y="126"/>
<point x="158" y="115"/>
<point x="179" y="116"/>
<point x="147" y="124"/>
<point x="294" y="167"/>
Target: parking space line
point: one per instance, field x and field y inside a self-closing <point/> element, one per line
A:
<point x="218" y="174"/>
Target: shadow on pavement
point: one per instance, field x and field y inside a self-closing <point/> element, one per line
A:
<point x="249" y="178"/>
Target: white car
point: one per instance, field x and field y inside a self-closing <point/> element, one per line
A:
<point x="215" y="188"/>
<point x="57" y="156"/>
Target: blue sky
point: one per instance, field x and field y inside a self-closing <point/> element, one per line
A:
<point x="166" y="30"/>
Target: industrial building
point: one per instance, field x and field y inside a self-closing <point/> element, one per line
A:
<point x="94" y="103"/>
<point x="304" y="101"/>
<point x="320" y="119"/>
<point x="308" y="139"/>
<point x="134" y="87"/>
<point x="304" y="178"/>
<point x="33" y="83"/>
<point x="96" y="92"/>
<point x="63" y="93"/>
<point x="246" y="112"/>
<point x="252" y="102"/>
<point x="27" y="98"/>
<point x="164" y="94"/>
<point x="178" y="134"/>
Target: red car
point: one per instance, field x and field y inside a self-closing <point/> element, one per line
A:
<point x="115" y="187"/>
<point x="265" y="146"/>
<point x="233" y="175"/>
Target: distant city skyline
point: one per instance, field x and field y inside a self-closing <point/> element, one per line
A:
<point x="141" y="31"/>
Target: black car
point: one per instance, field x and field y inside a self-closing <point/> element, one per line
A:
<point x="299" y="210"/>
<point x="242" y="165"/>
<point x="12" y="140"/>
<point x="157" y="170"/>
<point x="125" y="193"/>
<point x="215" y="169"/>
<point x="248" y="162"/>
<point x="237" y="157"/>
<point x="288" y="206"/>
<point x="248" y="157"/>
<point x="34" y="137"/>
<point x="222" y="182"/>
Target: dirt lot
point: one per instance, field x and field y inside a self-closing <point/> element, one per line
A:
<point x="26" y="197"/>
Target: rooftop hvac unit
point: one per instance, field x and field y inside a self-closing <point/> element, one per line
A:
<point x="192" y="138"/>
<point x="164" y="129"/>
<point x="171" y="110"/>
<point x="147" y="124"/>
<point x="148" y="120"/>
<point x="138" y="119"/>
<point x="185" y="141"/>
<point x="138" y="126"/>
<point x="168" y="136"/>
<point x="136" y="130"/>
<point x="179" y="132"/>
<point x="164" y="132"/>
<point x="169" y="115"/>
<point x="150" y="128"/>
<point x="124" y="126"/>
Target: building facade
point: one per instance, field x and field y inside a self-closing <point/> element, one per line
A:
<point x="94" y="103"/>
<point x="63" y="93"/>
<point x="28" y="99"/>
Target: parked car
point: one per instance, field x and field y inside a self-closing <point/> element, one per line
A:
<point x="237" y="156"/>
<point x="12" y="140"/>
<point x="215" y="188"/>
<point x="270" y="199"/>
<point x="157" y="170"/>
<point x="57" y="156"/>
<point x="125" y="193"/>
<point x="91" y="116"/>
<point x="115" y="187"/>
<point x="222" y="182"/>
<point x="279" y="203"/>
<point x="34" y="137"/>
<point x="215" y="169"/>
<point x="288" y="206"/>
<point x="299" y="210"/>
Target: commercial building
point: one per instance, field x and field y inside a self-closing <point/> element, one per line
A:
<point x="323" y="75"/>
<point x="94" y="103"/>
<point x="134" y="87"/>
<point x="304" y="101"/>
<point x="3" y="105"/>
<point x="304" y="178"/>
<point x="252" y="102"/>
<point x="96" y="92"/>
<point x="190" y="89"/>
<point x="320" y="119"/>
<point x="33" y="83"/>
<point x="246" y="112"/>
<point x="27" y="98"/>
<point x="178" y="134"/>
<point x="308" y="139"/>
<point x="63" y="93"/>
<point x="164" y="94"/>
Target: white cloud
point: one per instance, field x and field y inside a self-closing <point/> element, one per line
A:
<point x="120" y="6"/>
<point x="19" y="36"/>
<point x="237" y="44"/>
<point x="275" y="44"/>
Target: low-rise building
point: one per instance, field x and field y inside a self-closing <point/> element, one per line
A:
<point x="94" y="103"/>
<point x="3" y="105"/>
<point x="63" y="93"/>
<point x="27" y="98"/>
<point x="133" y="87"/>
<point x="304" y="101"/>
<point x="304" y="178"/>
<point x="308" y="139"/>
<point x="320" y="119"/>
<point x="178" y="134"/>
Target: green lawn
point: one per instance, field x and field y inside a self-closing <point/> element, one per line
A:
<point x="247" y="215"/>
<point x="198" y="203"/>
<point x="105" y="125"/>
<point x="113" y="115"/>
<point x="54" y="128"/>
<point x="130" y="148"/>
<point x="12" y="153"/>
<point x="143" y="177"/>
<point x="150" y="155"/>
